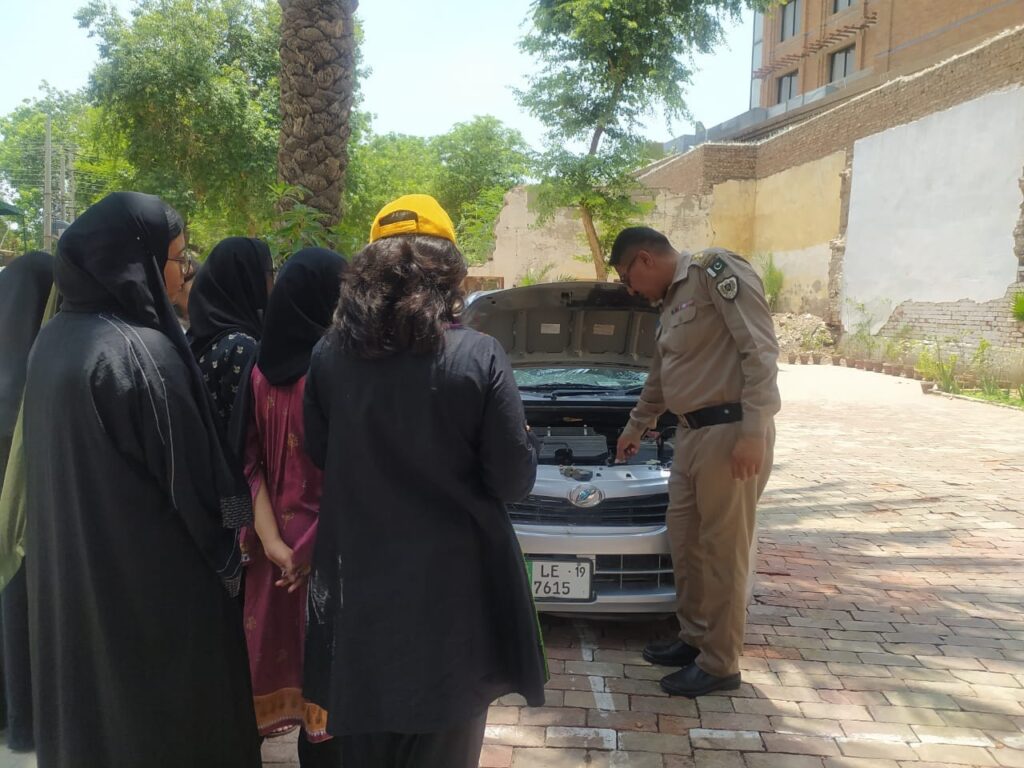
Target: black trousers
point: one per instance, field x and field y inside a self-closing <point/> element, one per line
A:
<point x="325" y="754"/>
<point x="17" y="674"/>
<point x="458" y="747"/>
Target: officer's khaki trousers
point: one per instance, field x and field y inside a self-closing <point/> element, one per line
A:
<point x="711" y="524"/>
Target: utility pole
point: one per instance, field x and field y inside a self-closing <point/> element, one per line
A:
<point x="62" y="198"/>
<point x="71" y="185"/>
<point x="47" y="191"/>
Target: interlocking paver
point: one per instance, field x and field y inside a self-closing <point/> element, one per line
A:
<point x="886" y="630"/>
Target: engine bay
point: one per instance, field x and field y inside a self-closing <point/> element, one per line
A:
<point x="588" y="436"/>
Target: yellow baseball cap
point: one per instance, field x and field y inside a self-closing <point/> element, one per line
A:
<point x="412" y="215"/>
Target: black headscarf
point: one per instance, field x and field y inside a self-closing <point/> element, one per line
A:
<point x="111" y="259"/>
<point x="299" y="312"/>
<point x="229" y="294"/>
<point x="24" y="289"/>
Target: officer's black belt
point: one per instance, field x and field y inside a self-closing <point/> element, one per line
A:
<point x="713" y="414"/>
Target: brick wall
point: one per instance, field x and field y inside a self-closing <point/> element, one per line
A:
<point x="960" y="326"/>
<point x="966" y="321"/>
<point x="998" y="63"/>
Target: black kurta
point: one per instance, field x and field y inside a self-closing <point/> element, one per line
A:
<point x="139" y="656"/>
<point x="420" y="614"/>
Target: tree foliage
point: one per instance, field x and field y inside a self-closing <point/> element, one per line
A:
<point x="183" y="103"/>
<point x="468" y="169"/>
<point x="605" y="66"/>
<point x="191" y="86"/>
<point x="98" y="162"/>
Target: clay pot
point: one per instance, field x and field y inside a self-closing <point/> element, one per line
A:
<point x="837" y="360"/>
<point x="792" y="358"/>
<point x="927" y="386"/>
<point x="805" y="359"/>
<point x="908" y="371"/>
<point x="816" y="358"/>
<point x="876" y="367"/>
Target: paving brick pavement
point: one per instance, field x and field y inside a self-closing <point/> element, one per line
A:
<point x="887" y="629"/>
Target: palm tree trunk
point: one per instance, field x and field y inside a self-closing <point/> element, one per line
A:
<point x="318" y="47"/>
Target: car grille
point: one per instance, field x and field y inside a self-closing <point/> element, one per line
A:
<point x="630" y="573"/>
<point x="635" y="510"/>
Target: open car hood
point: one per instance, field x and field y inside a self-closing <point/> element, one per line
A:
<point x="575" y="323"/>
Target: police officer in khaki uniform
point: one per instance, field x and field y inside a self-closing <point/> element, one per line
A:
<point x="715" y="366"/>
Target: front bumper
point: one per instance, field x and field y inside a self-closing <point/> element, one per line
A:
<point x="632" y="566"/>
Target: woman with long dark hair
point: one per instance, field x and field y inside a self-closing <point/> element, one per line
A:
<point x="138" y="652"/>
<point x="420" y="611"/>
<point x="286" y="488"/>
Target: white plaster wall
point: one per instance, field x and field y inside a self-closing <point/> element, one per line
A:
<point x="933" y="205"/>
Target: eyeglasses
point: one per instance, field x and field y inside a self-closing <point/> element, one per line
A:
<point x="187" y="265"/>
<point x="624" y="275"/>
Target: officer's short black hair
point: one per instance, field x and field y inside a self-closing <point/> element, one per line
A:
<point x="637" y="237"/>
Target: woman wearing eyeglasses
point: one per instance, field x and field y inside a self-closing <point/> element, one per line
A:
<point x="138" y="651"/>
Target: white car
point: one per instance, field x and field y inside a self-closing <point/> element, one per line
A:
<point x="593" y="531"/>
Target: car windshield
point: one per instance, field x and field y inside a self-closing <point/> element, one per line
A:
<point x="580" y="378"/>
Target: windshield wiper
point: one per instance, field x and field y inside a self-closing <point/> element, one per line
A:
<point x="552" y="387"/>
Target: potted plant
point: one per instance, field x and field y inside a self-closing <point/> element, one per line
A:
<point x="816" y="358"/>
<point x="805" y="358"/>
<point x="792" y="358"/>
<point x="927" y="386"/>
<point x="837" y="359"/>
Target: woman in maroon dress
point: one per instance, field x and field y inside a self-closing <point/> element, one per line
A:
<point x="286" y="490"/>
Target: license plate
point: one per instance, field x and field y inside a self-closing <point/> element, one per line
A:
<point x="560" y="580"/>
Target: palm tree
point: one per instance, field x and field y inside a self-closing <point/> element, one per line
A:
<point x="318" y="50"/>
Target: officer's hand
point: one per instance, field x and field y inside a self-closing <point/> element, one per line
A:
<point x="748" y="457"/>
<point x="627" y="447"/>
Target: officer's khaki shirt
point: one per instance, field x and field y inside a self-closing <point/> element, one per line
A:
<point x="716" y="345"/>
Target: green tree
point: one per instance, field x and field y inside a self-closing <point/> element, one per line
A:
<point x="98" y="161"/>
<point x="480" y="161"/>
<point x="190" y="89"/>
<point x="606" y="65"/>
<point x="381" y="168"/>
<point x="468" y="169"/>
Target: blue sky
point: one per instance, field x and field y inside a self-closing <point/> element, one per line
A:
<point x="460" y="58"/>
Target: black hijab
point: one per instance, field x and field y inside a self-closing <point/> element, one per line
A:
<point x="299" y="312"/>
<point x="229" y="293"/>
<point x="111" y="259"/>
<point x="24" y="290"/>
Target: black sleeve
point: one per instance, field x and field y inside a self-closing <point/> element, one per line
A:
<point x="507" y="450"/>
<point x="145" y="404"/>
<point x="313" y="413"/>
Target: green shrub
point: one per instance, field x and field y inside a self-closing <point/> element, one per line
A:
<point x="1018" y="307"/>
<point x="773" y="279"/>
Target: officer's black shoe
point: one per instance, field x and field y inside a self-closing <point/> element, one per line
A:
<point x="674" y="654"/>
<point x="692" y="681"/>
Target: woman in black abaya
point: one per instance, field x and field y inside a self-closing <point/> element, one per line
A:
<point x="225" y="309"/>
<point x="138" y="651"/>
<point x="24" y="288"/>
